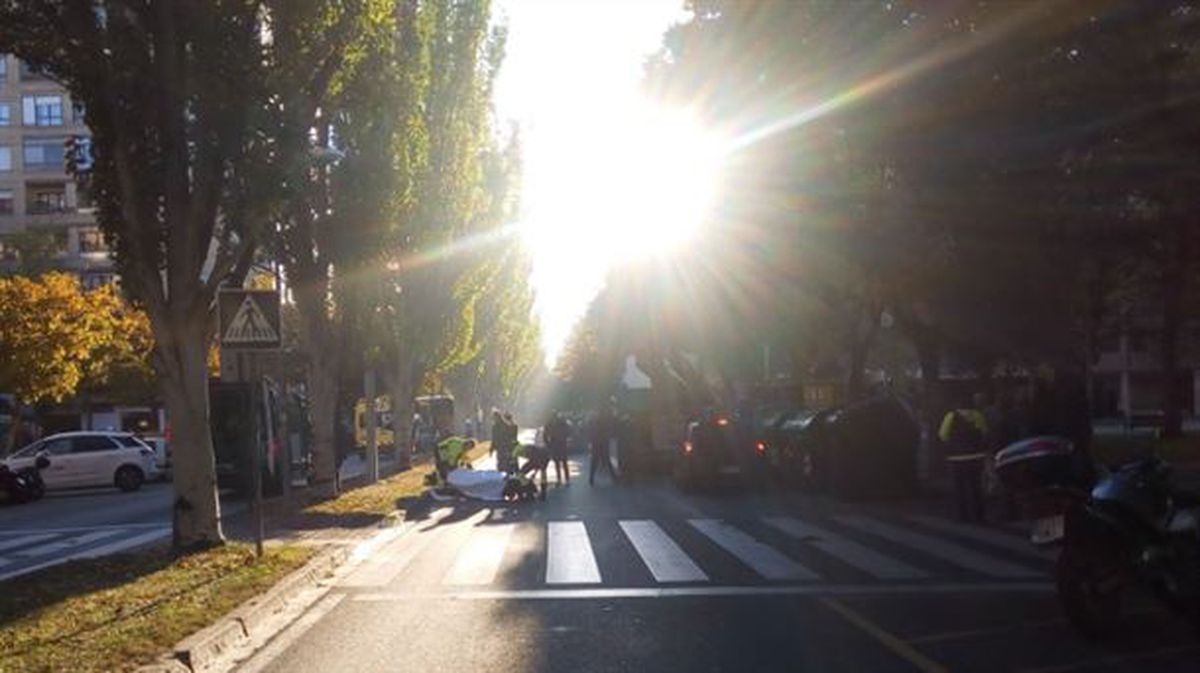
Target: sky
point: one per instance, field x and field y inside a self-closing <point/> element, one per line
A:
<point x="570" y="77"/>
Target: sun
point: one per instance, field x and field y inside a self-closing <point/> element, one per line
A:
<point x="626" y="183"/>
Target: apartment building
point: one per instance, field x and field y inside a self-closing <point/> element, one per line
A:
<point x="37" y="116"/>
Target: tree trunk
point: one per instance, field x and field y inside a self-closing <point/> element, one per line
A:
<point x="196" y="513"/>
<point x="402" y="411"/>
<point x="1173" y="279"/>
<point x="860" y="349"/>
<point x="1172" y="419"/>
<point x="322" y="407"/>
<point x="323" y="372"/>
<point x="927" y="354"/>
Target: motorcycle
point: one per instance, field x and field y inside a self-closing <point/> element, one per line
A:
<point x="23" y="485"/>
<point x="1120" y="529"/>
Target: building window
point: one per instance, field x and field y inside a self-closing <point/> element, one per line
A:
<point x="5" y="158"/>
<point x="78" y="112"/>
<point x="3" y="68"/>
<point x="45" y="199"/>
<point x="6" y="202"/>
<point x="43" y="110"/>
<point x="91" y="240"/>
<point x="5" y="113"/>
<point x="44" y="153"/>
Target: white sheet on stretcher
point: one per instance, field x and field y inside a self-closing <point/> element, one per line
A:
<point x="479" y="484"/>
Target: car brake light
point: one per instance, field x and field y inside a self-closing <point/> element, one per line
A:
<point x="760" y="447"/>
<point x="687" y="447"/>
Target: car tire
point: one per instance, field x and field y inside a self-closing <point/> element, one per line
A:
<point x="129" y="478"/>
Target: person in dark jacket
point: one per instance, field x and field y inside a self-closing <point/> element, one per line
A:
<point x="504" y="440"/>
<point x="599" y="435"/>
<point x="556" y="435"/>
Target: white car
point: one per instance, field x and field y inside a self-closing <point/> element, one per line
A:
<point x="90" y="459"/>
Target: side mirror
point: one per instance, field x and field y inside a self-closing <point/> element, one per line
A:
<point x="42" y="462"/>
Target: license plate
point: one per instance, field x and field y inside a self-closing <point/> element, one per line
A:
<point x="1047" y="530"/>
<point x="730" y="469"/>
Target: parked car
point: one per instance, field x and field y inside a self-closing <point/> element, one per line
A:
<point x="711" y="455"/>
<point x="790" y="446"/>
<point x="162" y="454"/>
<point x="80" y="459"/>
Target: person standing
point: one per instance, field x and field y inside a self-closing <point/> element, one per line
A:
<point x="502" y="447"/>
<point x="599" y="435"/>
<point x="556" y="435"/>
<point x="964" y="431"/>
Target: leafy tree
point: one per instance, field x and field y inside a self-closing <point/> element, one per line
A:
<point x="328" y="59"/>
<point x="183" y="102"/>
<point x="53" y="335"/>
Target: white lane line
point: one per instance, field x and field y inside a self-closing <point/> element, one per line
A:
<point x="714" y="591"/>
<point x="847" y="551"/>
<point x="569" y="557"/>
<point x="81" y="529"/>
<point x="112" y="547"/>
<point x="939" y="548"/>
<point x="987" y="536"/>
<point x="665" y="560"/>
<point x="479" y="561"/>
<point x="65" y="544"/>
<point x="288" y="637"/>
<point x="765" y="561"/>
<point x="27" y="539"/>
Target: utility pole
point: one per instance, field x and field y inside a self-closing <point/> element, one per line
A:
<point x="372" y="427"/>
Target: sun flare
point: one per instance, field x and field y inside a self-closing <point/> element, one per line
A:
<point x="632" y="183"/>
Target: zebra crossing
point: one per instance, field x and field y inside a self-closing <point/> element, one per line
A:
<point x="26" y="550"/>
<point x="480" y="553"/>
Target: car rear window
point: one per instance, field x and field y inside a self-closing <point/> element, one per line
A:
<point x="129" y="441"/>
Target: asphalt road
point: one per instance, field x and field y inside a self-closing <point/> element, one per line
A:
<point x="81" y="523"/>
<point x="640" y="578"/>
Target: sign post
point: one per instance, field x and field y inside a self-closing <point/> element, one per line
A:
<point x="249" y="322"/>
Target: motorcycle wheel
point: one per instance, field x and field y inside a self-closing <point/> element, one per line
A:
<point x="1090" y="588"/>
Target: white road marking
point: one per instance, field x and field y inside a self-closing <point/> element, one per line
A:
<point x="65" y="544"/>
<point x="479" y="561"/>
<point x="848" y="551"/>
<point x="665" y="560"/>
<point x="987" y="536"/>
<point x="24" y="540"/>
<point x="81" y="529"/>
<point x="288" y="637"/>
<point x="765" y="561"/>
<point x="569" y="557"/>
<point x="713" y="591"/>
<point x="937" y="547"/>
<point x="112" y="547"/>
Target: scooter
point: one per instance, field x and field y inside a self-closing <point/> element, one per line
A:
<point x="24" y="485"/>
<point x="1120" y="529"/>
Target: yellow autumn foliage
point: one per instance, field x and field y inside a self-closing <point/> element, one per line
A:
<point x="55" y="335"/>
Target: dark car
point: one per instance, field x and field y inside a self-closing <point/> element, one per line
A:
<point x="791" y="446"/>
<point x="712" y="455"/>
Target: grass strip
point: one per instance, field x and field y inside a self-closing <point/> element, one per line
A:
<point x="118" y="612"/>
<point x="382" y="498"/>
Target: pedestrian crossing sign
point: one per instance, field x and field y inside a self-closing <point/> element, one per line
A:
<point x="249" y="318"/>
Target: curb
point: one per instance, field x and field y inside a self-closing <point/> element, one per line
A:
<point x="207" y="649"/>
